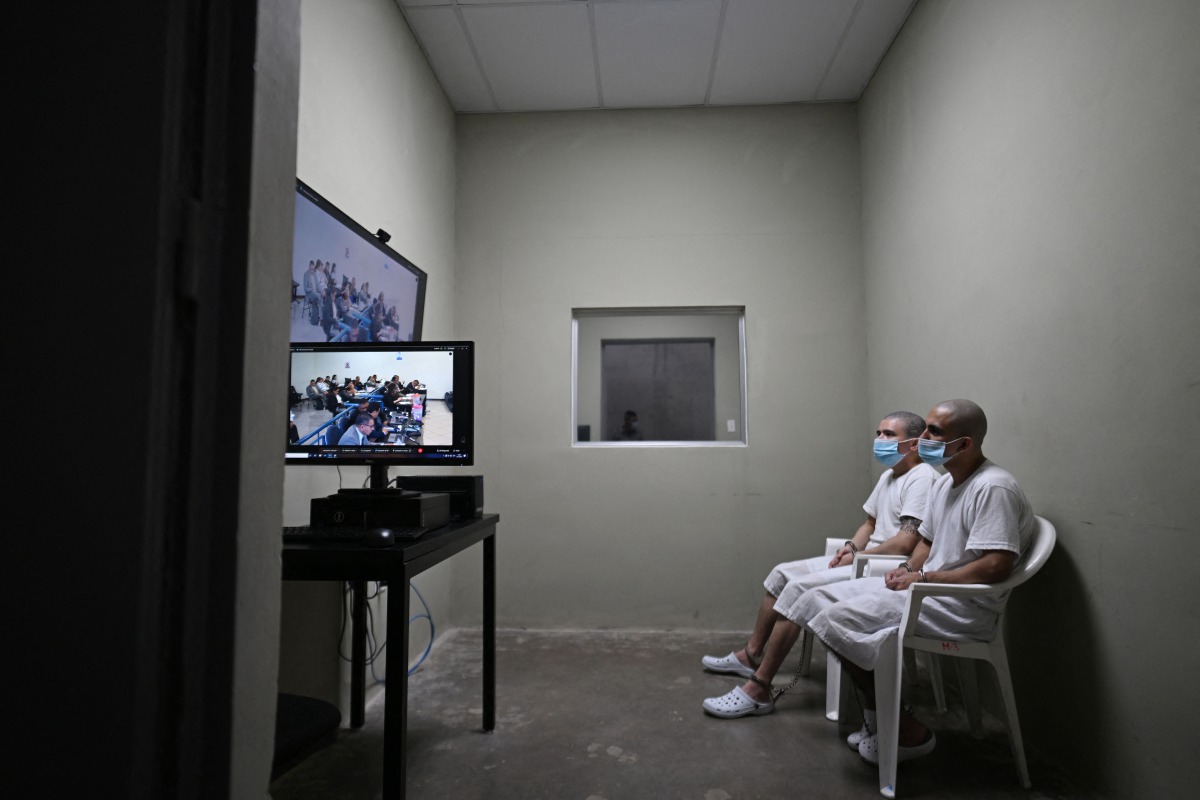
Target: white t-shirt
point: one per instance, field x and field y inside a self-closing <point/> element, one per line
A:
<point x="988" y="511"/>
<point x="893" y="498"/>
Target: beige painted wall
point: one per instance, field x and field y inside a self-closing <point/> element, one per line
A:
<point x="376" y="138"/>
<point x="750" y="206"/>
<point x="1030" y="206"/>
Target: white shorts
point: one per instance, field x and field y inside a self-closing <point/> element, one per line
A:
<point x="785" y="573"/>
<point x="854" y="618"/>
<point x="789" y="582"/>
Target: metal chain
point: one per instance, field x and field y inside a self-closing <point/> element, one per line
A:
<point x="778" y="693"/>
<point x="858" y="703"/>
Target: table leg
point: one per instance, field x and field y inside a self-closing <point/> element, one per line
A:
<point x="358" y="653"/>
<point x="395" y="695"/>
<point x="489" y="633"/>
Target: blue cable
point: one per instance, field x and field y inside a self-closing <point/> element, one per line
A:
<point x="376" y="653"/>
<point x="429" y="616"/>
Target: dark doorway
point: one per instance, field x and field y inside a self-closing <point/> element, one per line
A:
<point x="669" y="383"/>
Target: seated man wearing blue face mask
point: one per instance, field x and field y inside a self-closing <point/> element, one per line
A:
<point x="979" y="524"/>
<point x="895" y="510"/>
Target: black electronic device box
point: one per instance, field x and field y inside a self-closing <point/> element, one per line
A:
<point x="466" y="491"/>
<point x="382" y="508"/>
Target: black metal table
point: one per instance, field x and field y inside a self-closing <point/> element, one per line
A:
<point x="398" y="565"/>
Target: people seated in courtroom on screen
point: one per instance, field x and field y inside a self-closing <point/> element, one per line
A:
<point x="360" y="431"/>
<point x="381" y="431"/>
<point x="356" y="333"/>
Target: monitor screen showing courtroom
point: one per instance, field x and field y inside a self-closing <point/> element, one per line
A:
<point x="397" y="403"/>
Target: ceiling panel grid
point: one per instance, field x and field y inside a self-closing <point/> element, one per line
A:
<point x="541" y="55"/>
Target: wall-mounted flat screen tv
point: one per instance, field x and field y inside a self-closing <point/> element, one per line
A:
<point x="348" y="285"/>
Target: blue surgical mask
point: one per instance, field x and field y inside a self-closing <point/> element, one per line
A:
<point x="933" y="452"/>
<point x="887" y="452"/>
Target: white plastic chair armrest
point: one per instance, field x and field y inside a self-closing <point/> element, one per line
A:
<point x="863" y="561"/>
<point x="919" y="591"/>
<point x="950" y="589"/>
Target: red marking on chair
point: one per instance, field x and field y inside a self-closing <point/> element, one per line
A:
<point x="950" y="646"/>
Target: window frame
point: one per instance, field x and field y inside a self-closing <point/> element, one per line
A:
<point x="577" y="314"/>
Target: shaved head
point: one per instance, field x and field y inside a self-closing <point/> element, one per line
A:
<point x="911" y="423"/>
<point x="964" y="418"/>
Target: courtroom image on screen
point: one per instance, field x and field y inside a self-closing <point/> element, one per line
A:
<point x="372" y="399"/>
<point x="346" y="287"/>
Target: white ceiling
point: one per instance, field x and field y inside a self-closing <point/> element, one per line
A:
<point x="545" y="55"/>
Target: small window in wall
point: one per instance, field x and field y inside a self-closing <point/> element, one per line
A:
<point x="659" y="377"/>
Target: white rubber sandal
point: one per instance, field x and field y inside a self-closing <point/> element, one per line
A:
<point x="729" y="665"/>
<point x="858" y="737"/>
<point x="736" y="704"/>
<point x="865" y="732"/>
<point x="869" y="749"/>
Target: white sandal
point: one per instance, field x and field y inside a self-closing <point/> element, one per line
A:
<point x="737" y="703"/>
<point x="862" y="733"/>
<point x="858" y="737"/>
<point x="868" y="750"/>
<point x="729" y="665"/>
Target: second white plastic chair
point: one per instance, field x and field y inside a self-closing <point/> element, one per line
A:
<point x="888" y="671"/>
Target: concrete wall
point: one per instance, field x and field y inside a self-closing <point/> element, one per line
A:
<point x="256" y="649"/>
<point x="376" y="138"/>
<point x="1031" y="193"/>
<point x="754" y="207"/>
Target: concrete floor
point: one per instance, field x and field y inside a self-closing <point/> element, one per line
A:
<point x="604" y="715"/>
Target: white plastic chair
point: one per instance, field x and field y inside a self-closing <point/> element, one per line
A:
<point x="835" y="698"/>
<point x="832" y="545"/>
<point x="888" y="670"/>
<point x="867" y="565"/>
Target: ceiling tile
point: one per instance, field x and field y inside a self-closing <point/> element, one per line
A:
<point x="537" y="57"/>
<point x="871" y="33"/>
<point x="449" y="53"/>
<point x="655" y="53"/>
<point x="525" y="55"/>
<point x="776" y="51"/>
<point x="411" y="3"/>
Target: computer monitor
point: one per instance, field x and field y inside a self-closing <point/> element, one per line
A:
<point x="347" y="283"/>
<point x="416" y="407"/>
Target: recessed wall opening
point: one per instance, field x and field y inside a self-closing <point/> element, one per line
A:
<point x="659" y="376"/>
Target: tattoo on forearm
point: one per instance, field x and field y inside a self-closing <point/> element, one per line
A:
<point x="910" y="525"/>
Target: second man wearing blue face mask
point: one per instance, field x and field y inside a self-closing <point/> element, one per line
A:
<point x="933" y="452"/>
<point x="895" y="509"/>
<point x="978" y="525"/>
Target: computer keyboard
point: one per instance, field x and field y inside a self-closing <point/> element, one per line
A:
<point x="306" y="534"/>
